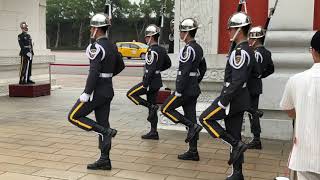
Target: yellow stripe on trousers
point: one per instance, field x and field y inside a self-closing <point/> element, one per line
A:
<point x="206" y="123"/>
<point x="77" y="121"/>
<point x="166" y="107"/>
<point x="134" y="100"/>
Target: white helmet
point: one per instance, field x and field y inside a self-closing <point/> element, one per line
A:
<point x="188" y="24"/>
<point x="239" y="19"/>
<point x="151" y="30"/>
<point x="100" y="20"/>
<point x="257" y="32"/>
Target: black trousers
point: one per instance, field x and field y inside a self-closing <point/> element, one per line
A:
<point x="101" y="107"/>
<point x="188" y="104"/>
<point x="233" y="123"/>
<point x="135" y="93"/>
<point x="25" y="70"/>
<point x="254" y="118"/>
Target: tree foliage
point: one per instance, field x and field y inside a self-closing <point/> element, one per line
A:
<point x="77" y="13"/>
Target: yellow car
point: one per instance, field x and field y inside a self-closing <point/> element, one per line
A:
<point x="132" y="49"/>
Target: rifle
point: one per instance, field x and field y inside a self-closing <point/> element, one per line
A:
<point x="239" y="8"/>
<point x="161" y="20"/>
<point x="272" y="10"/>
<point x="108" y="11"/>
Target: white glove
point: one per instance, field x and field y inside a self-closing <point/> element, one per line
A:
<point x="84" y="97"/>
<point x="147" y="88"/>
<point x="29" y="54"/>
<point x="177" y="94"/>
<point x="226" y="108"/>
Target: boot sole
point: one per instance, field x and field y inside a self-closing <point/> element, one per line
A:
<point x="150" y="138"/>
<point x="114" y="133"/>
<point x="189" y="159"/>
<point x="100" y="168"/>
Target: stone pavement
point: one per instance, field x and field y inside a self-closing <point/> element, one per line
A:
<point x="38" y="143"/>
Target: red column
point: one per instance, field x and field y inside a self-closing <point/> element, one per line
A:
<point x="258" y="10"/>
<point x="316" y="20"/>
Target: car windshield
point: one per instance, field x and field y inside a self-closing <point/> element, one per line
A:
<point x="143" y="45"/>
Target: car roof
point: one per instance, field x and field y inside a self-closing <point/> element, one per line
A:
<point x="129" y="42"/>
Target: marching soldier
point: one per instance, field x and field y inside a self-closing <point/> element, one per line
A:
<point x="156" y="59"/>
<point x="105" y="62"/>
<point x="234" y="98"/>
<point x="187" y="88"/>
<point x="266" y="68"/>
<point x="26" y="53"/>
<point x="171" y="37"/>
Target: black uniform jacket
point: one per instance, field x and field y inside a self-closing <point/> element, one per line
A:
<point x="238" y="69"/>
<point x="188" y="72"/>
<point x="25" y="43"/>
<point x="103" y="56"/>
<point x="154" y="61"/>
<point x="265" y="68"/>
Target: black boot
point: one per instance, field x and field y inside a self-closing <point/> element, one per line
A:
<point x="30" y="81"/>
<point x="255" y="143"/>
<point x="193" y="130"/>
<point x="189" y="155"/>
<point x="192" y="153"/>
<point x="236" y="172"/>
<point x="151" y="135"/>
<point x="152" y="111"/>
<point x="102" y="163"/>
<point x="259" y="113"/>
<point x="237" y="151"/>
<point x="238" y="147"/>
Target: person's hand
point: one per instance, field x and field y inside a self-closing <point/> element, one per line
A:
<point x="29" y="54"/>
<point x="225" y="107"/>
<point x="147" y="88"/>
<point x="177" y="94"/>
<point x="84" y="97"/>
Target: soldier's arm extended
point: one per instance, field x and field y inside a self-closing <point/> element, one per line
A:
<point x="269" y="67"/>
<point x="239" y="63"/>
<point x="202" y="69"/>
<point x="95" y="55"/>
<point x="183" y="76"/>
<point x="151" y="67"/>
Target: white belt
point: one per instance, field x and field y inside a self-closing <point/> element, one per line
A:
<point x="105" y="75"/>
<point x="227" y="84"/>
<point x="191" y="74"/>
<point x="27" y="46"/>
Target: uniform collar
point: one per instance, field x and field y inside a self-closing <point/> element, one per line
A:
<point x="260" y="45"/>
<point x="241" y="42"/>
<point x="101" y="37"/>
<point x="155" y="44"/>
<point x="191" y="41"/>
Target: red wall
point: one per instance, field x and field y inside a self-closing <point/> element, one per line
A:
<point x="257" y="10"/>
<point x="316" y="20"/>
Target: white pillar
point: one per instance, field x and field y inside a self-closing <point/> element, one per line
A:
<point x="12" y="12"/>
<point x="292" y="15"/>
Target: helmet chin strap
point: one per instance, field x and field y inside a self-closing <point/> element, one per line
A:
<point x="149" y="40"/>
<point x="93" y="35"/>
<point x="254" y="42"/>
<point x="185" y="36"/>
<point x="235" y="35"/>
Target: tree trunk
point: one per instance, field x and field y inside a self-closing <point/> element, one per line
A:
<point x="80" y="35"/>
<point x="137" y="31"/>
<point x="57" y="35"/>
<point x="48" y="41"/>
